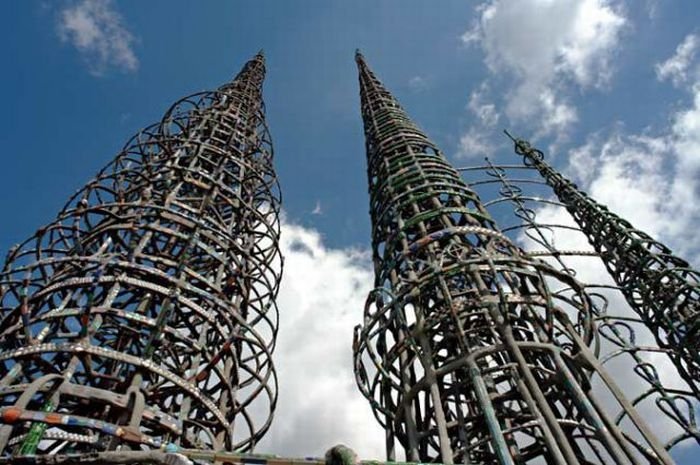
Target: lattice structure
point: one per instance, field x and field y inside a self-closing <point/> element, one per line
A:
<point x="662" y="288"/>
<point x="144" y="316"/>
<point x="466" y="354"/>
<point x="521" y="200"/>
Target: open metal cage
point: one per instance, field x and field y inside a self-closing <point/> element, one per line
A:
<point x="144" y="316"/>
<point x="528" y="212"/>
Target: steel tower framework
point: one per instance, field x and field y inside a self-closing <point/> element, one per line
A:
<point x="465" y="354"/>
<point x="516" y="195"/>
<point x="663" y="288"/>
<point x="144" y="315"/>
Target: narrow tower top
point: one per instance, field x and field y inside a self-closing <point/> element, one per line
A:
<point x="379" y="107"/>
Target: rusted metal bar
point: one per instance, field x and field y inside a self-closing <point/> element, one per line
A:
<point x="465" y="353"/>
<point x="144" y="315"/>
<point x="177" y="456"/>
<point x="640" y="369"/>
<point x="663" y="288"/>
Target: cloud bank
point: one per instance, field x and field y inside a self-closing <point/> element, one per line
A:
<point x="321" y="299"/>
<point x="542" y="51"/>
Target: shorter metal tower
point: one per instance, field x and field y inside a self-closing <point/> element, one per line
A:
<point x="519" y="197"/>
<point x="662" y="288"/>
<point x="466" y="353"/>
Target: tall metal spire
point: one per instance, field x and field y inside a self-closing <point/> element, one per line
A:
<point x="663" y="288"/>
<point x="144" y="315"/>
<point x="465" y="354"/>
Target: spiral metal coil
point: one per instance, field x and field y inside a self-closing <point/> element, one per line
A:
<point x="521" y="200"/>
<point x="467" y="354"/>
<point x="663" y="288"/>
<point x="144" y="315"/>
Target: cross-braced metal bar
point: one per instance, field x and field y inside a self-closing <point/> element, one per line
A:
<point x="663" y="288"/>
<point x="144" y="315"/>
<point x="466" y="354"/>
<point x="519" y="197"/>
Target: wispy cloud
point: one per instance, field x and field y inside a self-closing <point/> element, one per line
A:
<point x="681" y="67"/>
<point x="652" y="8"/>
<point x="474" y="143"/>
<point x="483" y="109"/>
<point x="477" y="140"/>
<point x="318" y="210"/>
<point x="418" y="83"/>
<point x="97" y="31"/>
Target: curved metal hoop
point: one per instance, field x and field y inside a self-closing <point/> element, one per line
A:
<point x="469" y="352"/>
<point x="624" y="343"/>
<point x="145" y="313"/>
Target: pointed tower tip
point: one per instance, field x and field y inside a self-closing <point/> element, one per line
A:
<point x="358" y="55"/>
<point x="260" y="55"/>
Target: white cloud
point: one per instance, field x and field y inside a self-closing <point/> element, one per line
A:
<point x="580" y="159"/>
<point x="682" y="63"/>
<point x="485" y="111"/>
<point x="545" y="47"/>
<point x="318" y="210"/>
<point x="630" y="179"/>
<point x="685" y="184"/>
<point x="418" y="83"/>
<point x="478" y="139"/>
<point x="474" y="143"/>
<point x="556" y="115"/>
<point x="96" y="29"/>
<point x="321" y="299"/>
<point x="652" y="7"/>
<point x="471" y="36"/>
<point x="651" y="180"/>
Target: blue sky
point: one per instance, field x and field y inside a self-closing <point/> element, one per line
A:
<point x="609" y="88"/>
<point x="70" y="114"/>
